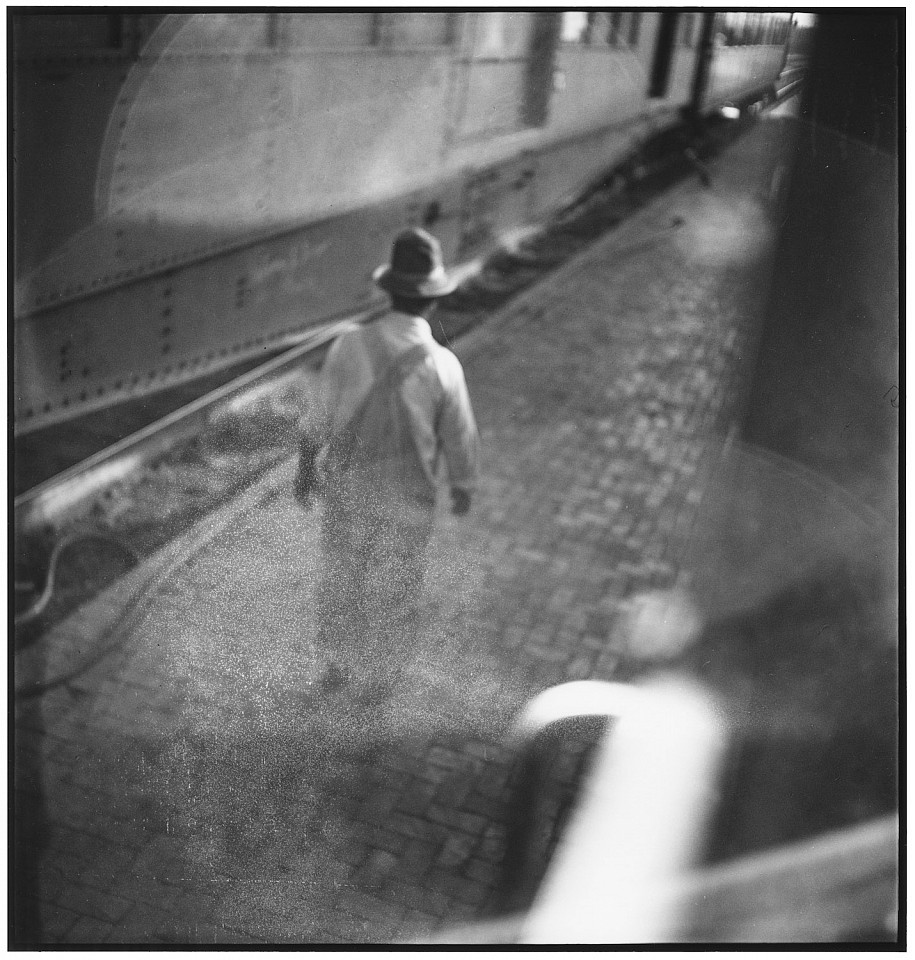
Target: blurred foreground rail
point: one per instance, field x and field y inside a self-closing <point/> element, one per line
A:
<point x="838" y="888"/>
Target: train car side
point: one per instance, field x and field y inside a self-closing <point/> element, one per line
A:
<point x="253" y="167"/>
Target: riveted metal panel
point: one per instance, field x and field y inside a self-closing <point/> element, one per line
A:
<point x="177" y="325"/>
<point x="188" y="175"/>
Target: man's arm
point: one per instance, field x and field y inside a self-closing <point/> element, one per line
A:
<point x="459" y="437"/>
<point x="460" y="501"/>
<point x="315" y="424"/>
<point x="317" y="419"/>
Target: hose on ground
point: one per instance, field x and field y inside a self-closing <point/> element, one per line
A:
<point x="172" y="559"/>
<point x="37" y="608"/>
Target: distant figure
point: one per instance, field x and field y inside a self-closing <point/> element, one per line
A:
<point x="391" y="400"/>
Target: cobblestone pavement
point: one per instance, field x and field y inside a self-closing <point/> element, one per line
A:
<point x="182" y="791"/>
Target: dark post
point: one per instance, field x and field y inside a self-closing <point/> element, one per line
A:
<point x="540" y="69"/>
<point x="663" y="51"/>
<point x="703" y="63"/>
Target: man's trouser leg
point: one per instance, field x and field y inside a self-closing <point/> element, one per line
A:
<point x="393" y="590"/>
<point x="374" y="556"/>
<point x="340" y="601"/>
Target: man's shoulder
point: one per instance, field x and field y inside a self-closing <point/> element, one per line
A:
<point x="439" y="352"/>
<point x="354" y="340"/>
<point x="447" y="364"/>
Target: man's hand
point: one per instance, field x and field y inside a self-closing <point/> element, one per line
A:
<point x="460" y="501"/>
<point x="303" y="487"/>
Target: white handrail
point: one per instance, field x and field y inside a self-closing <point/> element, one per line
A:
<point x="640" y="821"/>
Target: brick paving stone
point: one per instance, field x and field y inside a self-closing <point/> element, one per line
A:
<point x="152" y="892"/>
<point x="411" y="895"/>
<point x="413" y="825"/>
<point x="55" y="879"/>
<point x="90" y="902"/>
<point x="225" y="935"/>
<point x="456" y="819"/>
<point x="456" y="850"/>
<point x="492" y="782"/>
<point x="496" y="753"/>
<point x="492" y="840"/>
<point x="368" y="907"/>
<point x="252" y="912"/>
<point x="414" y="925"/>
<point x="88" y="814"/>
<point x="484" y="872"/>
<point x="466" y="891"/>
<point x="455" y="790"/>
<point x="91" y="851"/>
<point x="61" y="867"/>
<point x="384" y="840"/>
<point x="57" y="921"/>
<point x="88" y="930"/>
<point x="381" y="862"/>
<point x="31" y="744"/>
<point x="145" y="924"/>
<point x="352" y="854"/>
<point x="444" y="758"/>
<point x="420" y="895"/>
<point x="150" y="862"/>
<point x="417" y="797"/>
<point x="404" y="763"/>
<point x="417" y="857"/>
<point x="487" y="807"/>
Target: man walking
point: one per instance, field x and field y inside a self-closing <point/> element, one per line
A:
<point x="391" y="402"/>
